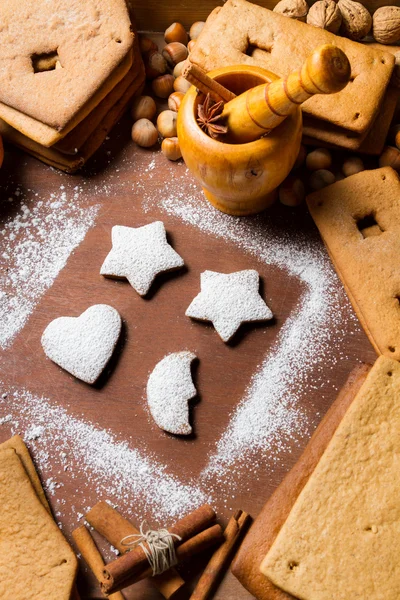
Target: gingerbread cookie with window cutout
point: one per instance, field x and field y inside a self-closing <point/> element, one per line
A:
<point x="359" y="221"/>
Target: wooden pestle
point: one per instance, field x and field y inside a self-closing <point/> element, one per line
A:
<point x="262" y="108"/>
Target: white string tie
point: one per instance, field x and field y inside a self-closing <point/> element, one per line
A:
<point x="157" y="544"/>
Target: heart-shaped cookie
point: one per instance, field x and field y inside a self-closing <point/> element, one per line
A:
<point x="83" y="345"/>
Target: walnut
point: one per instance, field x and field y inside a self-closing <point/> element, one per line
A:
<point x="294" y="9"/>
<point x="356" y="20"/>
<point x="326" y="15"/>
<point x="386" y="25"/>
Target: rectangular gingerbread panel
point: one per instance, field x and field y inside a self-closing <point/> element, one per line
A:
<point x="359" y="221"/>
<point x="263" y="532"/>
<point x="342" y="537"/>
<point x="244" y="33"/>
<point x="35" y="559"/>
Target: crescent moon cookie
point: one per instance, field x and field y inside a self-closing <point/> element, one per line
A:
<point x="228" y="300"/>
<point x="169" y="388"/>
<point x="83" y="345"/>
<point x="139" y="254"/>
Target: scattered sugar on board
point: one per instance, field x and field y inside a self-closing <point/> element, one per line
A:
<point x="131" y="478"/>
<point x="268" y="418"/>
<point x="270" y="415"/>
<point x="35" y="243"/>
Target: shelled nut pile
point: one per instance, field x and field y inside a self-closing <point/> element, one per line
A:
<point x="164" y="74"/>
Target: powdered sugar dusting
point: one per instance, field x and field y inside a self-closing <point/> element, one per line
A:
<point x="35" y="245"/>
<point x="271" y="415"/>
<point x="132" y="479"/>
<point x="266" y="420"/>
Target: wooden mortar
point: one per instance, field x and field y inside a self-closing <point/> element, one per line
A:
<point x="238" y="179"/>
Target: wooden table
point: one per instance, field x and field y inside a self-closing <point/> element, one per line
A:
<point x="119" y="180"/>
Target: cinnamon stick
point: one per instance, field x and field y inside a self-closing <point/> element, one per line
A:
<point x="219" y="561"/>
<point x="114" y="527"/>
<point x="115" y="579"/>
<point x="199" y="78"/>
<point x="135" y="562"/>
<point x="91" y="555"/>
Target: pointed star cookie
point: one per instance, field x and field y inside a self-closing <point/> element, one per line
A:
<point x="139" y="254"/>
<point x="228" y="300"/>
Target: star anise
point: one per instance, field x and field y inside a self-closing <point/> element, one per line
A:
<point x="209" y="113"/>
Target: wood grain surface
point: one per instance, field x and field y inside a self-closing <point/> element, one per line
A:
<point x="128" y="184"/>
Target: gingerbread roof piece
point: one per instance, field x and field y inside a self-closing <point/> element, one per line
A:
<point x="55" y="55"/>
<point x="240" y="32"/>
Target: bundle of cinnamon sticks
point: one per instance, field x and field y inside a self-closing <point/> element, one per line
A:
<point x="196" y="532"/>
<point x="192" y="534"/>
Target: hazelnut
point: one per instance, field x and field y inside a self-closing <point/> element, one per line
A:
<point x="320" y="179"/>
<point x="301" y="157"/>
<point x="196" y="29"/>
<point x="356" y="20"/>
<point x="143" y="107"/>
<point x="155" y="65"/>
<point x="176" y="33"/>
<point x="163" y="86"/>
<point x="292" y="191"/>
<point x="144" y="133"/>
<point x="191" y="45"/>
<point x="166" y="123"/>
<point x="352" y="165"/>
<point x="170" y="148"/>
<point x="174" y="53"/>
<point x="390" y="157"/>
<point x="386" y="24"/>
<point x="326" y="15"/>
<point x="175" y="100"/>
<point x="320" y="158"/>
<point x="294" y="9"/>
<point x="181" y="85"/>
<point x="179" y="68"/>
<point x="146" y="45"/>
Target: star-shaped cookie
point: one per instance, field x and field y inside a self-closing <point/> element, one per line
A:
<point x="228" y="300"/>
<point x="139" y="254"/>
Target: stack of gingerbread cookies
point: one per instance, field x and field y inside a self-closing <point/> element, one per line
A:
<point x="68" y="70"/>
<point x="357" y="118"/>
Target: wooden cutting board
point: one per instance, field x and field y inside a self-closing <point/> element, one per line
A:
<point x="129" y="185"/>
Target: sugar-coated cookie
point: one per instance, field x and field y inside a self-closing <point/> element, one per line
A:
<point x="228" y="300"/>
<point x="138" y="254"/>
<point x="169" y="388"/>
<point x="83" y="345"/>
